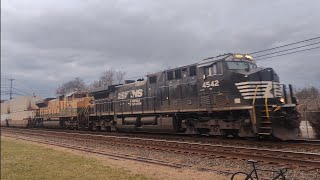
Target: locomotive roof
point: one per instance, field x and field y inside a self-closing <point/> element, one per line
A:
<point x="204" y="62"/>
<point x="210" y="60"/>
<point x="104" y="89"/>
<point x="44" y="102"/>
<point x="75" y="92"/>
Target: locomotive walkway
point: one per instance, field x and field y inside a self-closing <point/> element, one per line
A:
<point x="289" y="158"/>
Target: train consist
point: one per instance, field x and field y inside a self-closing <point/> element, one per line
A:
<point x="223" y="95"/>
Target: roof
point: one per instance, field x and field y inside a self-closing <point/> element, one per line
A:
<point x="208" y="61"/>
<point x="104" y="89"/>
<point x="43" y="103"/>
<point x="48" y="99"/>
<point x="73" y="92"/>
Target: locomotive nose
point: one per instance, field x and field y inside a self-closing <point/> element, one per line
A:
<point x="262" y="74"/>
<point x="260" y="83"/>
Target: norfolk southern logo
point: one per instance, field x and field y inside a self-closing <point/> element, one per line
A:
<point x="132" y="94"/>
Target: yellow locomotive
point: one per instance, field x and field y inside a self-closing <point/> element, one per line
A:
<point x="64" y="111"/>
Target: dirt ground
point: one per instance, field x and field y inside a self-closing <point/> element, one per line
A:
<point x="149" y="170"/>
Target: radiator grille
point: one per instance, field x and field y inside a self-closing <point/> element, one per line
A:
<point x="205" y="100"/>
<point x="221" y="100"/>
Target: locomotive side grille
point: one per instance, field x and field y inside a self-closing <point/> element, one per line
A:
<point x="221" y="100"/>
<point x="264" y="89"/>
<point x="205" y="100"/>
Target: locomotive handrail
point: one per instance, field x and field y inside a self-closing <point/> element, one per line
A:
<point x="253" y="103"/>
<point x="266" y="100"/>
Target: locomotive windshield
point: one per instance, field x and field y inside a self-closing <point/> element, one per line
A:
<point x="240" y="65"/>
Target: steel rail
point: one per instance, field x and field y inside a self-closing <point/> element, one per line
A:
<point x="297" y="143"/>
<point x="267" y="155"/>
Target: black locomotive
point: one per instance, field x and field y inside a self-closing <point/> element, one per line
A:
<point x="223" y="95"/>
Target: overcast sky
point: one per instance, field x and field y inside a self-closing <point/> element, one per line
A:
<point x="46" y="43"/>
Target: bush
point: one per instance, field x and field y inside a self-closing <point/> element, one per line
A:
<point x="309" y="106"/>
<point x="314" y="120"/>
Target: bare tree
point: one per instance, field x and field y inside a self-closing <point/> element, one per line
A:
<point x="109" y="77"/>
<point x="119" y="76"/>
<point x="95" y="84"/>
<point x="74" y="85"/>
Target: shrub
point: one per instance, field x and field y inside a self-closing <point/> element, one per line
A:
<point x="314" y="120"/>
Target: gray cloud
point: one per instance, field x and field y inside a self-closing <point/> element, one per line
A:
<point x="45" y="43"/>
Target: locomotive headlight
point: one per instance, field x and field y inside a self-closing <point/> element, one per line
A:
<point x="248" y="57"/>
<point x="282" y="100"/>
<point x="238" y="56"/>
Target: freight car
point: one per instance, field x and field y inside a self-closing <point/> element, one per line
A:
<point x="223" y="95"/>
<point x="19" y="112"/>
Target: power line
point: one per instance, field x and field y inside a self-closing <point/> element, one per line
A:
<point x="285" y="45"/>
<point x="26" y="85"/>
<point x="18" y="94"/>
<point x="22" y="91"/>
<point x="288" y="53"/>
<point x="287" y="49"/>
<point x="38" y="91"/>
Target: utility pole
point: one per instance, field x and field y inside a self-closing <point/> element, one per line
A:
<point x="11" y="87"/>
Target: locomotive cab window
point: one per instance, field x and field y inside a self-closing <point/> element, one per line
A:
<point x="240" y="65"/>
<point x="177" y="74"/>
<point x="219" y="68"/>
<point x="214" y="69"/>
<point x="169" y="75"/>
<point x="193" y="71"/>
<point x="207" y="70"/>
<point x="152" y="79"/>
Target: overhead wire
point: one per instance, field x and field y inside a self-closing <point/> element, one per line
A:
<point x="288" y="53"/>
<point x="288" y="49"/>
<point x="285" y="45"/>
<point x="22" y="91"/>
<point x="25" y="85"/>
<point x="256" y="52"/>
<point x="17" y="93"/>
<point x="35" y="91"/>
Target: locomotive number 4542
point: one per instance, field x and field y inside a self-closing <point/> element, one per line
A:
<point x="214" y="83"/>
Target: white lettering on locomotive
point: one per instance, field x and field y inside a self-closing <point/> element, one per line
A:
<point x="133" y="94"/>
<point x="135" y="102"/>
<point x="136" y="93"/>
<point x="214" y="83"/>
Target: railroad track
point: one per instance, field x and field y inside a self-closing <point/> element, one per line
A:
<point x="282" y="157"/>
<point x="298" y="145"/>
<point x="119" y="155"/>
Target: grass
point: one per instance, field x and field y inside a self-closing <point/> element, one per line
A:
<point x="21" y="160"/>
